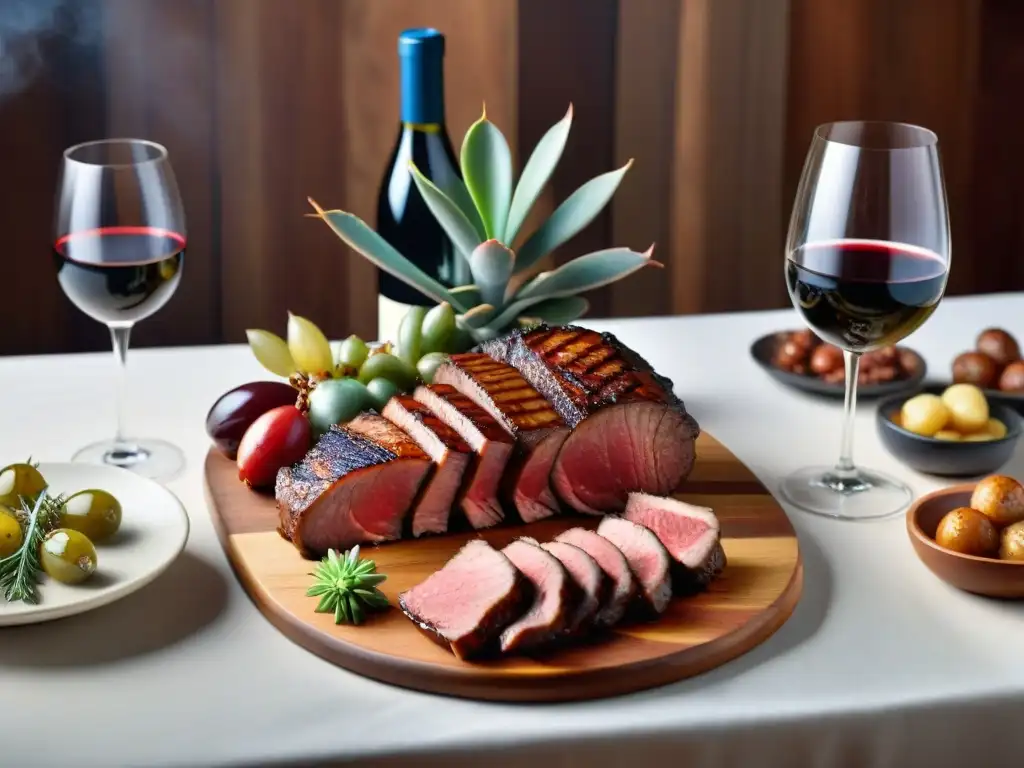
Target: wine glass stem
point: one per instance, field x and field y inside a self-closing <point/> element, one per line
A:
<point x="845" y="468"/>
<point x="120" y="335"/>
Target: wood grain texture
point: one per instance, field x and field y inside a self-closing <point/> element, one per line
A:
<point x="751" y="599"/>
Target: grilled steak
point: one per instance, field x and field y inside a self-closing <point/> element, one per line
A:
<point x="355" y="485"/>
<point x="691" y="534"/>
<point x="589" y="578"/>
<point x="491" y="444"/>
<point x="647" y="558"/>
<point x="465" y="605"/>
<point x="548" y="616"/>
<point x="630" y="431"/>
<point x="622" y="586"/>
<point x="447" y="449"/>
<point x="520" y="409"/>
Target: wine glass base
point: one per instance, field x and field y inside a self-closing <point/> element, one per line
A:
<point x="156" y="459"/>
<point x="869" y="495"/>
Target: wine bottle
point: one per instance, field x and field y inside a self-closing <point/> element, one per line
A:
<point x="403" y="218"/>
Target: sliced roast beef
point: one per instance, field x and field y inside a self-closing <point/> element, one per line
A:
<point x="467" y="603"/>
<point x="525" y="414"/>
<point x="355" y="485"/>
<point x="590" y="581"/>
<point x="621" y="588"/>
<point x="490" y="442"/>
<point x="630" y="431"/>
<point x="647" y="558"/>
<point x="447" y="449"/>
<point x="550" y="612"/>
<point x="691" y="534"/>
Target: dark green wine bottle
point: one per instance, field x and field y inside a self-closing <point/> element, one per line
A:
<point x="403" y="218"/>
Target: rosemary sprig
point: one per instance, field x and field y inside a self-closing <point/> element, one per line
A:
<point x="19" y="572"/>
<point x="347" y="587"/>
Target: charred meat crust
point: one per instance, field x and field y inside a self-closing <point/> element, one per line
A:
<point x="689" y="581"/>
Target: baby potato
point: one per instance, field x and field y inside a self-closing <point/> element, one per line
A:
<point x="967" y="531"/>
<point x="978" y="437"/>
<point x="1011" y="545"/>
<point x="967" y="407"/>
<point x="947" y="434"/>
<point x="1000" y="499"/>
<point x="996" y="428"/>
<point x="924" y="414"/>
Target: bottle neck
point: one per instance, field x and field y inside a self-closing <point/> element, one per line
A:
<point x="422" y="88"/>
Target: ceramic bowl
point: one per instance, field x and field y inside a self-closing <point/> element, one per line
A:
<point x="979" y="575"/>
<point x="947" y="458"/>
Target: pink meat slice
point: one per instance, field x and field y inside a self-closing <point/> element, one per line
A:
<point x="622" y="585"/>
<point x="589" y="578"/>
<point x="691" y="534"/>
<point x="647" y="558"/>
<point x="549" y="614"/>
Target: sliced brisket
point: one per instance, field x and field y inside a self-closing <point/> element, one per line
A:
<point x="467" y="603"/>
<point x="490" y="442"/>
<point x="630" y="431"/>
<point x="647" y="558"/>
<point x="447" y="449"/>
<point x="355" y="485"/>
<point x="550" y="612"/>
<point x="622" y="585"/>
<point x="525" y="414"/>
<point x="691" y="534"/>
<point x="590" y="580"/>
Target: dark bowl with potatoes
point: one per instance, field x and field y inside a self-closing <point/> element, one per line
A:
<point x="949" y="430"/>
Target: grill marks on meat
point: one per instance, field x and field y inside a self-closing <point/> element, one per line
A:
<point x="647" y="558"/>
<point x="355" y="485"/>
<point x="621" y="584"/>
<point x="691" y="534"/>
<point x="491" y="443"/>
<point x="445" y="447"/>
<point x="525" y="414"/>
<point x="550" y="612"/>
<point x="590" y="580"/>
<point x="466" y="604"/>
<point x="630" y="431"/>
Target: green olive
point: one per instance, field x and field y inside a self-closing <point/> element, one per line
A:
<point x="353" y="352"/>
<point x="19" y="480"/>
<point x="438" y="329"/>
<point x="10" y="534"/>
<point x="67" y="556"/>
<point x="410" y="334"/>
<point x="390" y="367"/>
<point x="95" y="513"/>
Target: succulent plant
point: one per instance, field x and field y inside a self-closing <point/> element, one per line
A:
<point x="483" y="215"/>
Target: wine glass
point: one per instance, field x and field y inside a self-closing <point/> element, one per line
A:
<point x="119" y="253"/>
<point x="867" y="258"/>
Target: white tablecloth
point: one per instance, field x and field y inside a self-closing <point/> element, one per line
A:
<point x="881" y="664"/>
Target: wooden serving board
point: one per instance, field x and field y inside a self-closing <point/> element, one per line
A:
<point x="752" y="598"/>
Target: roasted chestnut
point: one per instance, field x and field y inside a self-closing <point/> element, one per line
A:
<point x="975" y="368"/>
<point x="967" y="531"/>
<point x="1000" y="499"/>
<point x="789" y="355"/>
<point x="804" y="339"/>
<point x="999" y="345"/>
<point x="826" y="358"/>
<point x="1012" y="377"/>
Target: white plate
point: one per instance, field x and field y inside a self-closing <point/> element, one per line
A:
<point x="154" y="529"/>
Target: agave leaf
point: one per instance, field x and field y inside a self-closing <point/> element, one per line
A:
<point x="477" y="317"/>
<point x="486" y="164"/>
<point x="576" y="211"/>
<point x="448" y="214"/>
<point x="361" y="238"/>
<point x="491" y="264"/>
<point x="585" y="273"/>
<point x="558" y="311"/>
<point x="536" y="173"/>
<point x="454" y="188"/>
<point x="470" y="294"/>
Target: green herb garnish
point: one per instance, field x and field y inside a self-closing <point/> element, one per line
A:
<point x="347" y="587"/>
<point x="19" y="572"/>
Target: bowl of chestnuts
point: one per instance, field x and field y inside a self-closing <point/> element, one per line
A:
<point x="994" y="365"/>
<point x="801" y="360"/>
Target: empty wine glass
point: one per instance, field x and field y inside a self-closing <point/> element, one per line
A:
<point x="119" y="252"/>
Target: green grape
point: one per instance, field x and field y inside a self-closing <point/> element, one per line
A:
<point x="336" y="401"/>
<point x="438" y="326"/>
<point x="409" y="334"/>
<point x="381" y="390"/>
<point x="353" y="352"/>
<point x="428" y="364"/>
<point x="385" y="365"/>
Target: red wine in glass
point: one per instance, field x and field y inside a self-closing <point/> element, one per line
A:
<point x="119" y="274"/>
<point x="864" y="294"/>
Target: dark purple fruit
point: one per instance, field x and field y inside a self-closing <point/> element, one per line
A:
<point x="236" y="410"/>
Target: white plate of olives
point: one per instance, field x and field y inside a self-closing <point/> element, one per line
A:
<point x="113" y="534"/>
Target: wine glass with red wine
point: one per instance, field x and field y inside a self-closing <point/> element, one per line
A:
<point x="119" y="252"/>
<point x="867" y="260"/>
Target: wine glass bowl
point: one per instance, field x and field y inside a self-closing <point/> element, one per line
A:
<point x="867" y="261"/>
<point x="119" y="252"/>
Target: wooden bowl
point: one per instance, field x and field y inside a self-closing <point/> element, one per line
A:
<point x="980" y="575"/>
